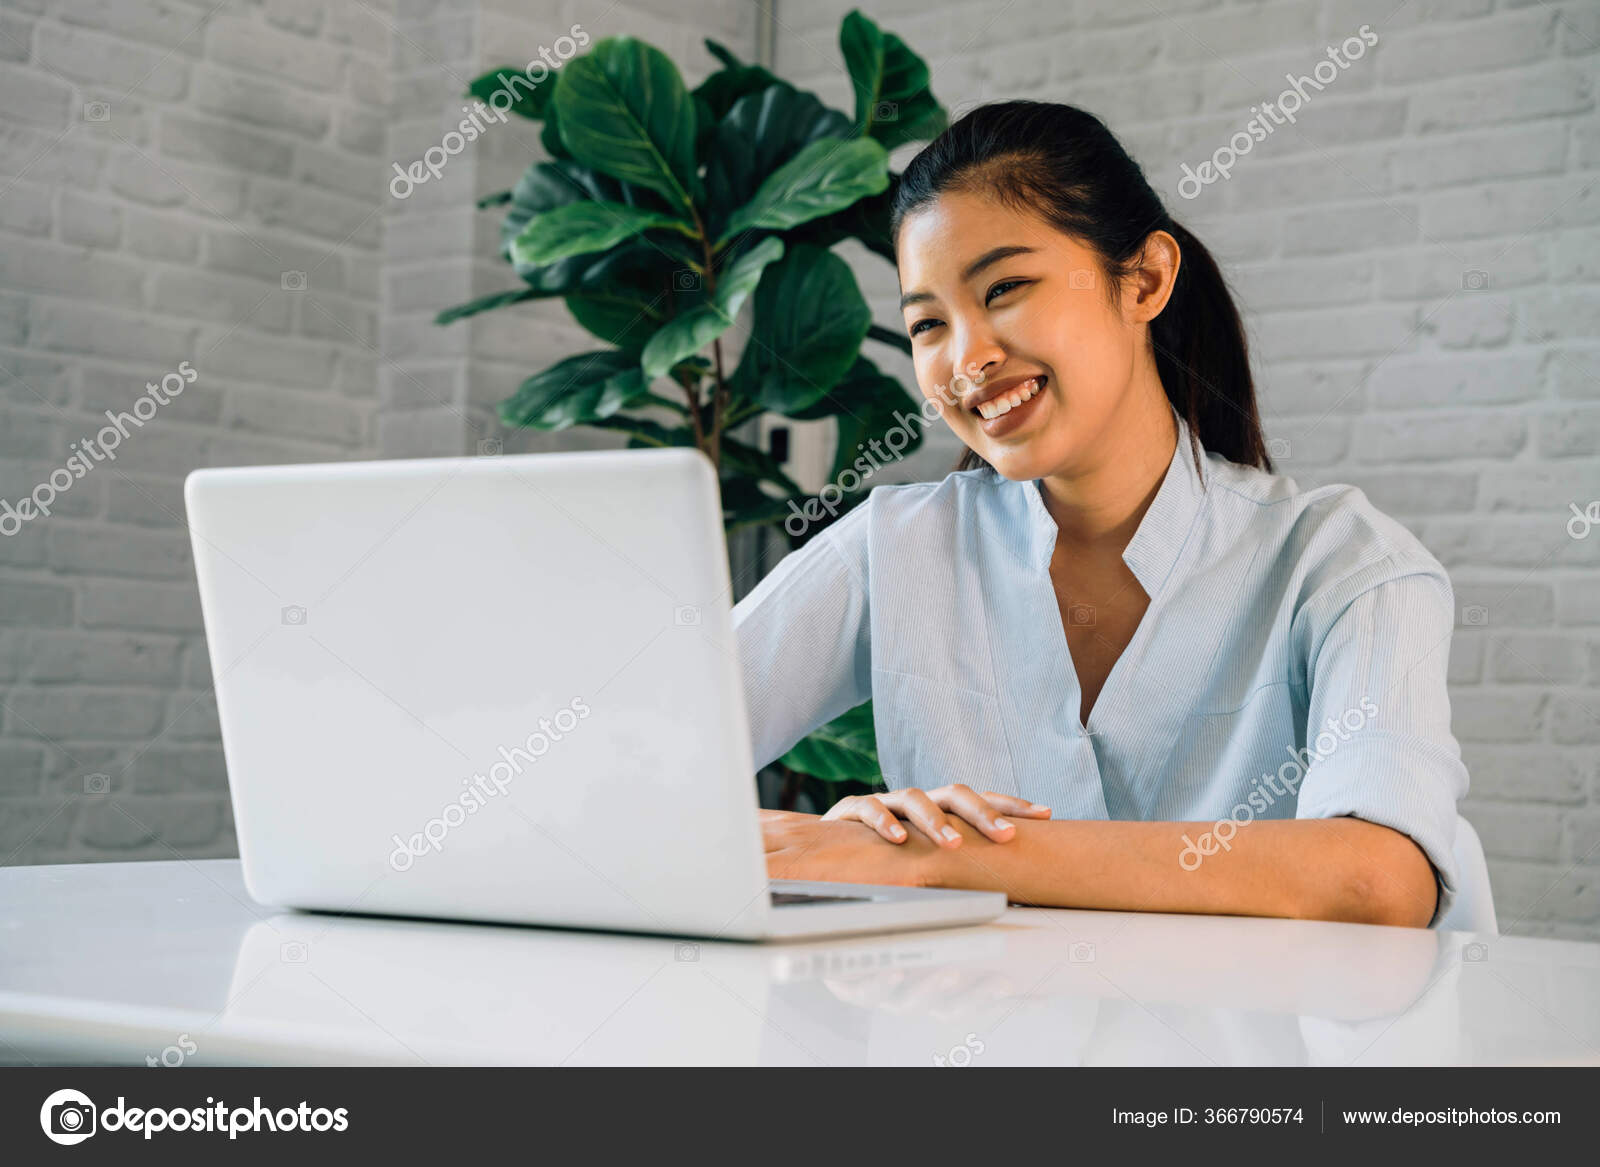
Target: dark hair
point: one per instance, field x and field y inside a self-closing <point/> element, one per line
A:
<point x="1064" y="164"/>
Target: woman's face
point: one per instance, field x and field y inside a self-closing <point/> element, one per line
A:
<point x="1004" y="309"/>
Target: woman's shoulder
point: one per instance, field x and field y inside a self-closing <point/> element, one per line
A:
<point x="1335" y="534"/>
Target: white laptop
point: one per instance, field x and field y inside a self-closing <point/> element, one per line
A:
<point x="501" y="689"/>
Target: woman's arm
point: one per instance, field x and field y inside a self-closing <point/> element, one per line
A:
<point x="1343" y="869"/>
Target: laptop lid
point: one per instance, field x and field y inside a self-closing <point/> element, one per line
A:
<point x="497" y="688"/>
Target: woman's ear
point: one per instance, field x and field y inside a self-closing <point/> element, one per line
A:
<point x="1151" y="284"/>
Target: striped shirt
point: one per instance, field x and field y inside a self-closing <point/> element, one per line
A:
<point x="1291" y="662"/>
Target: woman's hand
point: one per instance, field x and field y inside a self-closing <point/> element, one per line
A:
<point x="925" y="809"/>
<point x="804" y="846"/>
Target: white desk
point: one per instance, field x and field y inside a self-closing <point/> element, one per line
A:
<point x="123" y="962"/>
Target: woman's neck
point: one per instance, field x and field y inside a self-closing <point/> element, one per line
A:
<point x="1099" y="507"/>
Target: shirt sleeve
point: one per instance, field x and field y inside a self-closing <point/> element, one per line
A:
<point x="1378" y="717"/>
<point x="804" y="642"/>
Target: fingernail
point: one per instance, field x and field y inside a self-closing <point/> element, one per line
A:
<point x="951" y="833"/>
<point x="897" y="831"/>
<point x="1038" y="809"/>
<point x="1001" y="824"/>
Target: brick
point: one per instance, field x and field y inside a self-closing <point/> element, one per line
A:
<point x="1339" y="333"/>
<point x="36" y="99"/>
<point x="111" y="63"/>
<point x="119" y="551"/>
<point x="361" y="132"/>
<point x="1544" y="891"/>
<point x="117" y="389"/>
<point x="160" y="825"/>
<point x="337" y="319"/>
<point x="1417" y="382"/>
<point x="1302" y="284"/>
<point x="195" y="295"/>
<point x="26" y="209"/>
<point x="235" y="41"/>
<point x="1524" y="773"/>
<point x="85" y="714"/>
<point x="1496" y="716"/>
<point x="42" y="266"/>
<point x="1429" y="54"/>
<point x="1435" y="437"/>
<point x="179" y="769"/>
<point x="1508" y="603"/>
<point x="1475" y="319"/>
<point x="170" y="183"/>
<point x="49" y="158"/>
<point x="1536" y="658"/>
<point x="1493" y="210"/>
<point x="219" y="144"/>
<point x="296" y="415"/>
<point x="16" y="37"/>
<point x="25" y="823"/>
<point x="21" y="770"/>
<point x="139" y="606"/>
<point x="33" y="381"/>
<point x="1466" y="658"/>
<point x="1333" y="230"/>
<point x="1578" y="600"/>
<point x="1515" y="832"/>
<point x="338" y="172"/>
<point x="334" y="217"/>
<point x="165" y="25"/>
<point x="1475" y="158"/>
<point x="302" y="16"/>
<point x="19" y="476"/>
<point x="102" y="659"/>
<point x="1547" y="488"/>
<point x="1414" y="492"/>
<point x="1574" y="373"/>
<point x="1572" y="432"/>
<point x="267" y="255"/>
<point x="74" y="328"/>
<point x="1501" y="98"/>
<point x="35" y="605"/>
<point x="161" y="237"/>
<point x="146" y="500"/>
<point x="90" y="222"/>
<point x="1506" y="542"/>
<point x="1574" y="719"/>
<point x="270" y="361"/>
<point x="258" y="102"/>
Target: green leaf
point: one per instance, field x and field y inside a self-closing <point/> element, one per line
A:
<point x="485" y="304"/>
<point x="866" y="220"/>
<point x="622" y="109"/>
<point x="754" y="462"/>
<point x="760" y="133"/>
<point x="893" y="101"/>
<point x="623" y="297"/>
<point x="528" y="100"/>
<point x="497" y="199"/>
<point x="576" y="391"/>
<point x="844" y="750"/>
<point x="646" y="432"/>
<point x="745" y="504"/>
<point x="582" y="227"/>
<point x="826" y="176"/>
<point x="868" y="407"/>
<point x="722" y="53"/>
<point x="808" y="326"/>
<point x="691" y="331"/>
<point x="544" y="187"/>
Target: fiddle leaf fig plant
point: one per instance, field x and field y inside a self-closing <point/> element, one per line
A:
<point x="662" y="216"/>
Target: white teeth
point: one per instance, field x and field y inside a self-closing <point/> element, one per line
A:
<point x="1009" y="401"/>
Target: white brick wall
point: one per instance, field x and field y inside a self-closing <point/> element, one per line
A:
<point x="1467" y="140"/>
<point x="163" y="163"/>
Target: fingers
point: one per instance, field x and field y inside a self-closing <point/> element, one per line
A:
<point x="869" y="809"/>
<point x="924" y="814"/>
<point x="962" y="800"/>
<point x="1011" y="804"/>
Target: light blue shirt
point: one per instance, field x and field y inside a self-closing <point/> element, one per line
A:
<point x="1291" y="662"/>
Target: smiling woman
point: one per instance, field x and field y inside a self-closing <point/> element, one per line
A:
<point x="1114" y="619"/>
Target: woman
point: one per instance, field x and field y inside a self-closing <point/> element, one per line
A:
<point x="1183" y="683"/>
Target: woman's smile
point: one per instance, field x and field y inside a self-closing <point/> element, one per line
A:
<point x="1004" y="412"/>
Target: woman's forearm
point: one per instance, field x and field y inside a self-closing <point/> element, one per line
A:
<point x="1327" y="869"/>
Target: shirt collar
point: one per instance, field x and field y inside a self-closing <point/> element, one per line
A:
<point x="1161" y="534"/>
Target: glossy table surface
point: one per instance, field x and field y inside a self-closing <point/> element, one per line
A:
<point x="149" y="963"/>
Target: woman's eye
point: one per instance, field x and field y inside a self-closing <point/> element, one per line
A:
<point x="917" y="327"/>
<point x="1002" y="288"/>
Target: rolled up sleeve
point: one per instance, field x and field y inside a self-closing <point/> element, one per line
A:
<point x="1378" y="715"/>
<point x="804" y="640"/>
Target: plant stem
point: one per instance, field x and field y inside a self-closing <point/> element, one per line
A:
<point x="719" y="404"/>
<point x="691" y="393"/>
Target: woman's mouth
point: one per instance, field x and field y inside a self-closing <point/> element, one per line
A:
<point x="1003" y="413"/>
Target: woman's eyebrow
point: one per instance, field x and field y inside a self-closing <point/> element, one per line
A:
<point x="992" y="256"/>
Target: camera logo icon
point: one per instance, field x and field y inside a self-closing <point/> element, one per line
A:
<point x="686" y="280"/>
<point x="1475" y="953"/>
<point x="490" y="448"/>
<point x="1081" y="953"/>
<point x="68" y="1117"/>
<point x="292" y="952"/>
<point x="885" y="111"/>
<point x="294" y="614"/>
<point x="1474" y="281"/>
<point x="685" y="953"/>
<point x="1080" y="279"/>
<point x="686" y="615"/>
<point x="1475" y="615"/>
<point x="294" y="281"/>
<point x="1278" y="447"/>
<point x="97" y="783"/>
<point x="96" y="111"/>
<point x="1081" y="615"/>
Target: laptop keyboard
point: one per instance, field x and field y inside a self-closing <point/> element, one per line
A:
<point x="784" y="899"/>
